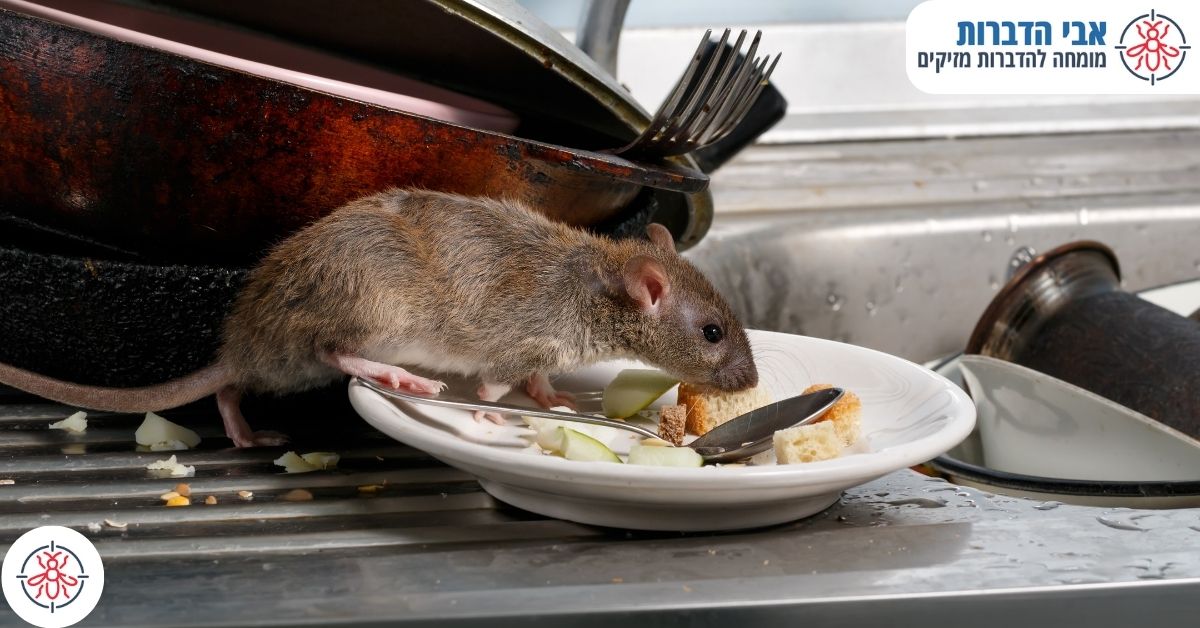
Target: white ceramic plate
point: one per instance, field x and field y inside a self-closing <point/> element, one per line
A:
<point x="909" y="416"/>
<point x="1034" y="424"/>
<point x="269" y="57"/>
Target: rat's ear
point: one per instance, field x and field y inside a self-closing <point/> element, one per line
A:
<point x="646" y="282"/>
<point x="661" y="237"/>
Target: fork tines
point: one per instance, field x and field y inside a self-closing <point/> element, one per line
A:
<point x="715" y="92"/>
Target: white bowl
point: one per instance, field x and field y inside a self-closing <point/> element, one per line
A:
<point x="270" y="58"/>
<point x="1033" y="424"/>
<point x="909" y="416"/>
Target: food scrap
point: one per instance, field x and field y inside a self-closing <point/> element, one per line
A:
<point x="75" y="424"/>
<point x="633" y="390"/>
<point x="245" y="495"/>
<point x="183" y="489"/>
<point x="179" y="500"/>
<point x="297" y="495"/>
<point x="172" y="465"/>
<point x="672" y="422"/>
<point x="315" y="461"/>
<point x="159" y="434"/>
<point x="708" y="409"/>
<point x="210" y="500"/>
<point x="120" y="525"/>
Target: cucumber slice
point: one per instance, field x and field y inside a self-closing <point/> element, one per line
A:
<point x="634" y="389"/>
<point x="583" y="448"/>
<point x="664" y="456"/>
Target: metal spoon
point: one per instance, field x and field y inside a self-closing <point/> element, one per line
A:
<point x="736" y="439"/>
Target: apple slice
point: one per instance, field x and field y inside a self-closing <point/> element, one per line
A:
<point x="657" y="456"/>
<point x="574" y="445"/>
<point x="634" y="389"/>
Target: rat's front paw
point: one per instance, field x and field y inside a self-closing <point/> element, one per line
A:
<point x="539" y="389"/>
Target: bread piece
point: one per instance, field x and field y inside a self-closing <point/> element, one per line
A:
<point x="846" y="414"/>
<point x="807" y="443"/>
<point x="671" y="423"/>
<point x="706" y="410"/>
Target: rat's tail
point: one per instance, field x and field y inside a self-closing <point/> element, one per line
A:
<point x="169" y="394"/>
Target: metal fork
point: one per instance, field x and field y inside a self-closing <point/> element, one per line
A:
<point x="701" y="111"/>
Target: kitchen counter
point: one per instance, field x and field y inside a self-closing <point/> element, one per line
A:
<point x="430" y="546"/>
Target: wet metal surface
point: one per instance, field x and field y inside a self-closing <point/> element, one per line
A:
<point x="427" y="544"/>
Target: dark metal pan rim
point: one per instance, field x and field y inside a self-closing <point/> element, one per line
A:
<point x="1083" y="488"/>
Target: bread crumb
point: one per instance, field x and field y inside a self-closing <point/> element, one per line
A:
<point x="708" y="409"/>
<point x="618" y="580"/>
<point x="168" y="495"/>
<point x="245" y="495"/>
<point x="297" y="495"/>
<point x="7" y="482"/>
<point x="807" y="443"/>
<point x="846" y="414"/>
<point x="370" y="488"/>
<point x="120" y="525"/>
<point x="179" y="500"/>
<point x="672" y="421"/>
<point x="183" y="489"/>
<point x="210" y="500"/>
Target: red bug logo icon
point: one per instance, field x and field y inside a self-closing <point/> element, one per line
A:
<point x="52" y="577"/>
<point x="52" y="586"/>
<point x="1156" y="47"/>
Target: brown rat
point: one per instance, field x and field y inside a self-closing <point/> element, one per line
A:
<point x="447" y="283"/>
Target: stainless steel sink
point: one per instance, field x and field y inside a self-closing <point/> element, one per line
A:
<point x="899" y="246"/>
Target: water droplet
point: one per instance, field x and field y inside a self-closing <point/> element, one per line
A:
<point x="1035" y="181"/>
<point x="872" y="310"/>
<point x="921" y="502"/>
<point x="987" y="236"/>
<point x="980" y="186"/>
<point x="1051" y="505"/>
<point x="993" y="283"/>
<point x="1010" y="240"/>
<point x="1118" y="525"/>
<point x="962" y="494"/>
<point x="1197" y="265"/>
<point x="900" y="283"/>
<point x="835" y="302"/>
<point x="1083" y="216"/>
<point x="1012" y="223"/>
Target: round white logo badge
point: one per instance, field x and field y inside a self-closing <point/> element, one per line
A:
<point x="52" y="577"/>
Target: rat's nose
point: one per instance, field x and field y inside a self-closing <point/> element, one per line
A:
<point x="739" y="377"/>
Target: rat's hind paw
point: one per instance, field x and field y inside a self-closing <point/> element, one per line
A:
<point x="386" y="374"/>
<point x="260" y="439"/>
<point x="494" y="417"/>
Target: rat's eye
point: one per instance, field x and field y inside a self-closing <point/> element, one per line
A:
<point x="712" y="333"/>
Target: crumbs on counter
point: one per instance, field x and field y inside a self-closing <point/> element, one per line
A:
<point x="172" y="465"/>
<point x="75" y="424"/>
<point x="297" y="495"/>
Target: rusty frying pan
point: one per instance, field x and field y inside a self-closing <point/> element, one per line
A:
<point x="179" y="161"/>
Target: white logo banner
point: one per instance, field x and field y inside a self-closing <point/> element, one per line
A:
<point x="1049" y="47"/>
